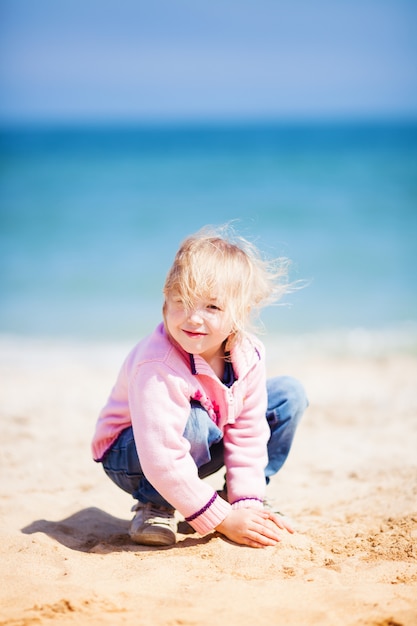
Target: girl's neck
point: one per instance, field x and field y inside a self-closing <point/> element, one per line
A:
<point x="217" y="365"/>
<point x="216" y="361"/>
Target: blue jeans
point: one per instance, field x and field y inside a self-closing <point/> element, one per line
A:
<point x="286" y="404"/>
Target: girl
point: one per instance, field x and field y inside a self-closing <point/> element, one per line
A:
<point x="193" y="396"/>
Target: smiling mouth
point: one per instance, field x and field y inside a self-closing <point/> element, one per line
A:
<point x="191" y="333"/>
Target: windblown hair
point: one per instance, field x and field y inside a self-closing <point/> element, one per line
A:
<point x="216" y="263"/>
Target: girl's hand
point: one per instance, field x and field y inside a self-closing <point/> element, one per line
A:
<point x="254" y="527"/>
<point x="282" y="522"/>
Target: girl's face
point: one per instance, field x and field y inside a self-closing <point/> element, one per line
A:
<point x="200" y="330"/>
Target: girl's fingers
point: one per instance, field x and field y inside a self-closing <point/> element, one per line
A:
<point x="266" y="531"/>
<point x="257" y="540"/>
<point x="282" y="522"/>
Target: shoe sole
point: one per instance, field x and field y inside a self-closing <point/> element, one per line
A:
<point x="154" y="539"/>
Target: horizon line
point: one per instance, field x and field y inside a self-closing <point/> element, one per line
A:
<point x="205" y="121"/>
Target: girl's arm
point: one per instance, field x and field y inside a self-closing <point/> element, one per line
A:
<point x="245" y="443"/>
<point x="159" y="406"/>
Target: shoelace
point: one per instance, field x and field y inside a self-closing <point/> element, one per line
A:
<point x="155" y="514"/>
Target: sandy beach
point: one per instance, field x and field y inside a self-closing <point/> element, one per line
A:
<point x="350" y="487"/>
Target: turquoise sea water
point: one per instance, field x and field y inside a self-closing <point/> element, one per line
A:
<point x="91" y="219"/>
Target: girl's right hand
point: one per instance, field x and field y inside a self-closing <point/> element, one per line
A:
<point x="256" y="528"/>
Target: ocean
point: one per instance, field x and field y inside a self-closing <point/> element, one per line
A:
<point x="91" y="217"/>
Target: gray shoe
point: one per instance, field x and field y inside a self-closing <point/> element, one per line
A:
<point x="153" y="525"/>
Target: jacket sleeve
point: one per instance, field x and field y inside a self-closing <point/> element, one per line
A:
<point x="245" y="444"/>
<point x="159" y="406"/>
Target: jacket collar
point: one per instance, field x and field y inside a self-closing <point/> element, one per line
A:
<point x="244" y="355"/>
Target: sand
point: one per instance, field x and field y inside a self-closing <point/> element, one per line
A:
<point x="349" y="485"/>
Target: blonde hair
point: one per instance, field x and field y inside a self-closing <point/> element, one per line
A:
<point x="214" y="261"/>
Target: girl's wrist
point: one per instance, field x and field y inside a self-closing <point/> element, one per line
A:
<point x="248" y="503"/>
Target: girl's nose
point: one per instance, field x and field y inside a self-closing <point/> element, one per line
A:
<point x="195" y="317"/>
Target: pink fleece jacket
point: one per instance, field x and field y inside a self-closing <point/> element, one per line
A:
<point x="153" y="393"/>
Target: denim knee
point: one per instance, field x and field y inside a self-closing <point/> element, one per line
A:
<point x="287" y="400"/>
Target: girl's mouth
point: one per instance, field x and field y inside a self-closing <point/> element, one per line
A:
<point x="191" y="333"/>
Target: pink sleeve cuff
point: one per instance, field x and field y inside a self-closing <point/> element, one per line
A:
<point x="248" y="503"/>
<point x="211" y="517"/>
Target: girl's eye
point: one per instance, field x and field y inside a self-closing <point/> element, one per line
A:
<point x="213" y="307"/>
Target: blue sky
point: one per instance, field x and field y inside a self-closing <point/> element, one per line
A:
<point x="188" y="59"/>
